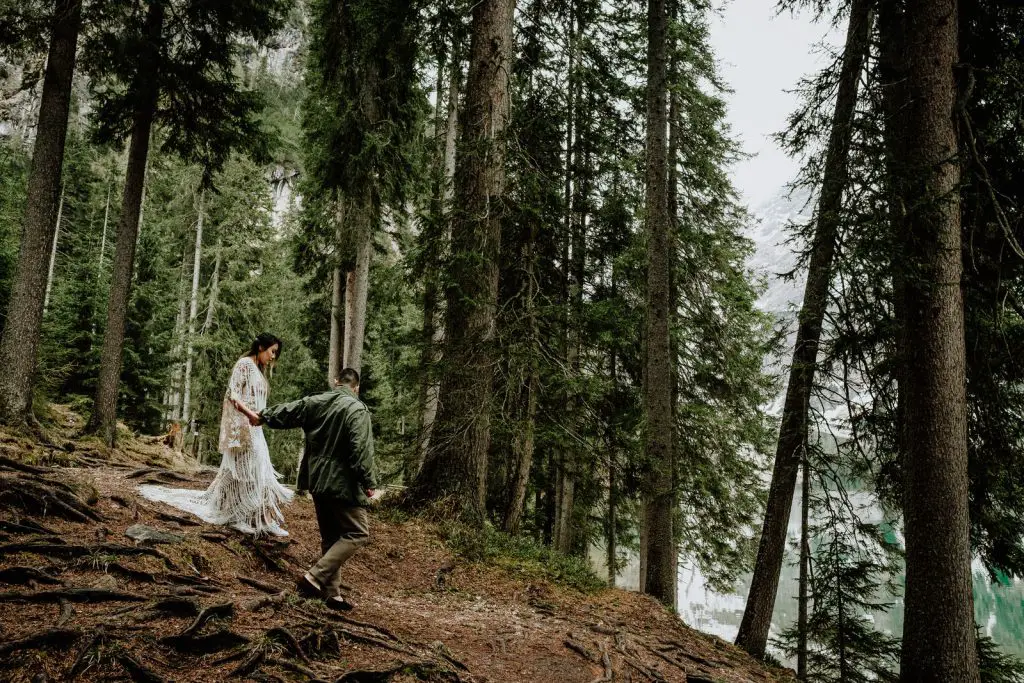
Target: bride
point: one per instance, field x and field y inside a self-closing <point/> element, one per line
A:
<point x="246" y="493"/>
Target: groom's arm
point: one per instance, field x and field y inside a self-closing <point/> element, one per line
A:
<point x="282" y="416"/>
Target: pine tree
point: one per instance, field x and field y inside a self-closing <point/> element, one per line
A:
<point x="938" y="638"/>
<point x="659" y="579"/>
<point x="793" y="433"/>
<point x="201" y="106"/>
<point x="457" y="462"/>
<point x="21" y="334"/>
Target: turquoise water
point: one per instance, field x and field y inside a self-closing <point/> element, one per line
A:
<point x="998" y="606"/>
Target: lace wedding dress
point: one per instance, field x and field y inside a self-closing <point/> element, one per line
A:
<point x="245" y="493"/>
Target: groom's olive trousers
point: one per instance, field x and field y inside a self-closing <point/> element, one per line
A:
<point x="343" y="531"/>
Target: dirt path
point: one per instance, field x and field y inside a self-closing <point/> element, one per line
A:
<point x="82" y="601"/>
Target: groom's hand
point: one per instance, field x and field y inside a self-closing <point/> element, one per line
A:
<point x="370" y="492"/>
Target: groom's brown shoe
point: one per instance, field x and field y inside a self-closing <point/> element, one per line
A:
<point x="307" y="589"/>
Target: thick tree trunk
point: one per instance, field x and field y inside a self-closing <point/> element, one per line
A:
<point x="658" y="495"/>
<point x="938" y="632"/>
<point x="357" y="283"/>
<point x="104" y="416"/>
<point x="53" y="253"/>
<point x="193" y="312"/>
<point x="793" y="432"/>
<point x="19" y="343"/>
<point x="456" y="464"/>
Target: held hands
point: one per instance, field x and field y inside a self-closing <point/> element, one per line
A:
<point x="254" y="419"/>
<point x="369" y="493"/>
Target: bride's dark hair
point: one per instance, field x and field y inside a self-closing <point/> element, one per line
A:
<point x="263" y="342"/>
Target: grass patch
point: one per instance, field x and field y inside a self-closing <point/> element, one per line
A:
<point x="520" y="556"/>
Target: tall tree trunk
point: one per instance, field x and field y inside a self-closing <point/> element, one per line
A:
<point x="104" y="416"/>
<point x="613" y="466"/>
<point x="456" y="464"/>
<point x="526" y="410"/>
<point x="335" y="350"/>
<point x="938" y="632"/>
<point x="53" y="253"/>
<point x="565" y="474"/>
<point x="211" y="305"/>
<point x="793" y="432"/>
<point x="433" y="332"/>
<point x="180" y="323"/>
<point x="658" y="495"/>
<point x="19" y="343"/>
<point x="357" y="282"/>
<point x="103" y="239"/>
<point x="336" y="345"/>
<point x="805" y="565"/>
<point x="193" y="312"/>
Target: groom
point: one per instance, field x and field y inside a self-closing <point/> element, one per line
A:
<point x="337" y="470"/>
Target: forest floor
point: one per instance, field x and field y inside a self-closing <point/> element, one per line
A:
<point x="82" y="601"/>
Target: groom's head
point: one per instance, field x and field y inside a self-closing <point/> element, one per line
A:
<point x="348" y="378"/>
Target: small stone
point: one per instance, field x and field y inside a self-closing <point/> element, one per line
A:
<point x="147" y="534"/>
<point x="107" y="582"/>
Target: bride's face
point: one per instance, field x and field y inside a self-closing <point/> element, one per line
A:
<point x="266" y="357"/>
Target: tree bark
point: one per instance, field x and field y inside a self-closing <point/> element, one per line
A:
<point x="658" y="495"/>
<point x="456" y="464"/>
<point x="104" y="416"/>
<point x="565" y="474"/>
<point x="939" y="631"/>
<point x="103" y="239"/>
<point x="523" y="441"/>
<point x="53" y="253"/>
<point x="336" y="346"/>
<point x="793" y="432"/>
<point x="805" y="565"/>
<point x="211" y="305"/>
<point x="19" y="343"/>
<point x="357" y="283"/>
<point x="433" y="332"/>
<point x="193" y="312"/>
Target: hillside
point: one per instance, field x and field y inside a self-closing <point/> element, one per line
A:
<point x="86" y="602"/>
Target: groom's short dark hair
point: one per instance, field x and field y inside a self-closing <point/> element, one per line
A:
<point x="349" y="377"/>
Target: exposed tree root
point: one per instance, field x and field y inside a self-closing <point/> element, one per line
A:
<point x="221" y="611"/>
<point x="26" y="527"/>
<point x="424" y="671"/>
<point x="73" y="595"/>
<point x="62" y="638"/>
<point x="249" y="664"/>
<point x="82" y="663"/>
<point x="66" y="612"/>
<point x="26" y="576"/>
<point x="217" y="641"/>
<point x="136" y="671"/>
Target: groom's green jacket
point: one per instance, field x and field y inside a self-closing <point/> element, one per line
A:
<point x="338" y="459"/>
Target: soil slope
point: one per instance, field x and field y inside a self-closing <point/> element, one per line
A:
<point x="80" y="600"/>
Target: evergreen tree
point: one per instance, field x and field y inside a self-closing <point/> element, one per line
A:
<point x="457" y="462"/>
<point x="174" y="69"/>
<point x="20" y="338"/>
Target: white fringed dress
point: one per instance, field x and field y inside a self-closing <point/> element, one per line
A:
<point x="246" y="492"/>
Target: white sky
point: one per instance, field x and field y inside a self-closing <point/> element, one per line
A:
<point x="761" y="56"/>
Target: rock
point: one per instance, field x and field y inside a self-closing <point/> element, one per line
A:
<point x="141" y="533"/>
<point x="107" y="582"/>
